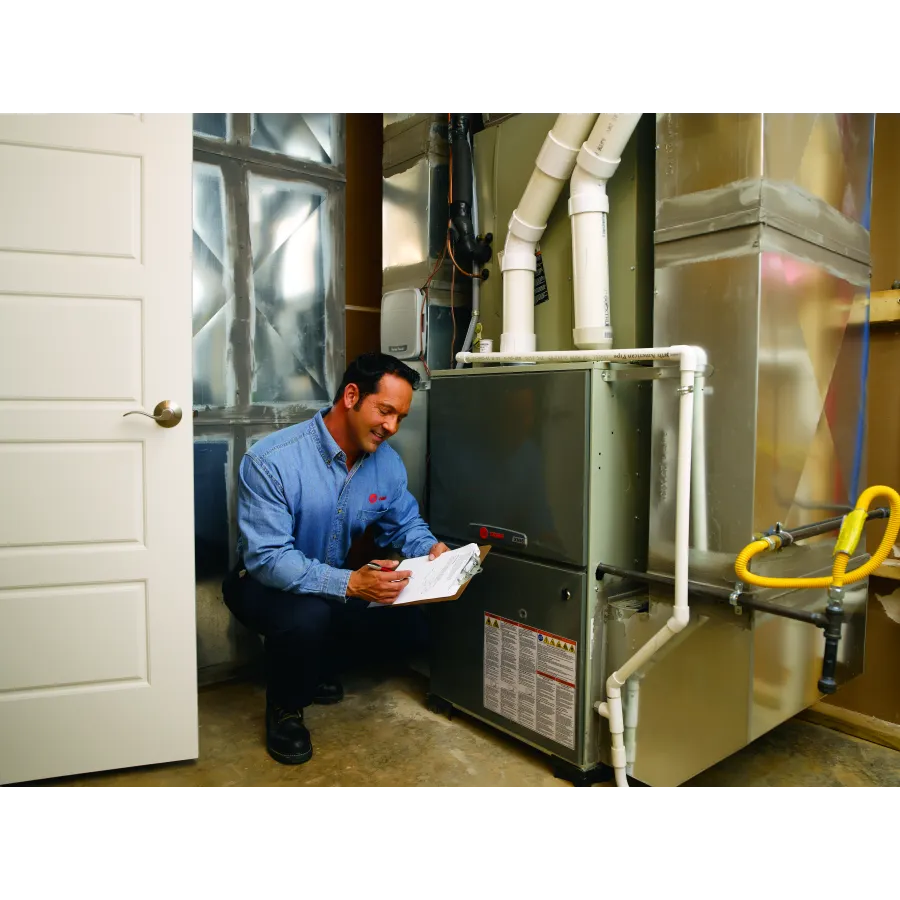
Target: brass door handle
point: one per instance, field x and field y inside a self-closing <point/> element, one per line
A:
<point x="167" y="414"/>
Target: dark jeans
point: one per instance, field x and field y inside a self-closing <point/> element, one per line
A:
<point x="311" y="639"/>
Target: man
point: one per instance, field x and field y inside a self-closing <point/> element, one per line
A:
<point x="305" y="494"/>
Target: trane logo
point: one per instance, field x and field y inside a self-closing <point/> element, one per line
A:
<point x="512" y="537"/>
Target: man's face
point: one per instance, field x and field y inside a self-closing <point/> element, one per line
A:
<point x="378" y="416"/>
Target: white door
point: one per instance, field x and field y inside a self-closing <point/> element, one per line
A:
<point x="97" y="621"/>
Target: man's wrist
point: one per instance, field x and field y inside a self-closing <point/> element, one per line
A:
<point x="339" y="583"/>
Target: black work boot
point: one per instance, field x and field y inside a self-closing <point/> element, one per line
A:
<point x="287" y="738"/>
<point x="329" y="692"/>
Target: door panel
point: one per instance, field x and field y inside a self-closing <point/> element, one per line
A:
<point x="97" y="621"/>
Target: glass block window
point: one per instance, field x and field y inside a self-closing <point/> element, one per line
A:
<point x="212" y="292"/>
<point x="306" y="136"/>
<point x="214" y="125"/>
<point x="290" y="258"/>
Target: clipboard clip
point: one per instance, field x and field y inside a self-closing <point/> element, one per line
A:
<point x="472" y="568"/>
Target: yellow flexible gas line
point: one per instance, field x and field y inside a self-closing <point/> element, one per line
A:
<point x="851" y="532"/>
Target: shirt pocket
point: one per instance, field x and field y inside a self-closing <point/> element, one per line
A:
<point x="372" y="513"/>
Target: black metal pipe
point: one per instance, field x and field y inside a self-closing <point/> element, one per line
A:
<point x="786" y="612"/>
<point x="470" y="251"/>
<point x="791" y="536"/>
<point x="652" y="578"/>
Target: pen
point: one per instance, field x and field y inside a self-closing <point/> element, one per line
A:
<point x="378" y="568"/>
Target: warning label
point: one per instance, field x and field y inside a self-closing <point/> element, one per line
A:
<point x="541" y="294"/>
<point x="529" y="677"/>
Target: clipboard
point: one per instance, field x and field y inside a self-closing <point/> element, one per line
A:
<point x="468" y="574"/>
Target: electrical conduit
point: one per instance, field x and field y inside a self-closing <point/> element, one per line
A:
<point x="553" y="167"/>
<point x="691" y="362"/>
<point x="597" y="162"/>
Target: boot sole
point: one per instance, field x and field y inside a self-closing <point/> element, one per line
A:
<point x="327" y="701"/>
<point x="295" y="760"/>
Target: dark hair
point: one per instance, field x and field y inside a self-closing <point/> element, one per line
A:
<point x="366" y="372"/>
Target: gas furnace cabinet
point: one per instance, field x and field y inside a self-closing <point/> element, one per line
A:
<point x="547" y="464"/>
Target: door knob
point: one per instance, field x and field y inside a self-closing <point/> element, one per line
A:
<point x="167" y="414"/>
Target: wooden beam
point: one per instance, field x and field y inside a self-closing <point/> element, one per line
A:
<point x="884" y="307"/>
<point x="889" y="569"/>
<point x="877" y="731"/>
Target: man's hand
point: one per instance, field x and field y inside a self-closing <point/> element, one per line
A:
<point x="437" y="550"/>
<point x="379" y="587"/>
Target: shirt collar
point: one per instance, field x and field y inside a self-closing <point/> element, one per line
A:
<point x="328" y="446"/>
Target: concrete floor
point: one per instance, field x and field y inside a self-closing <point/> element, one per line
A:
<point x="382" y="734"/>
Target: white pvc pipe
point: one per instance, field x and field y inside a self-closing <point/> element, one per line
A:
<point x="611" y="132"/>
<point x="685" y="353"/>
<point x="632" y="696"/>
<point x="588" y="209"/>
<point x="597" y="162"/>
<point x="553" y="167"/>
<point x="518" y="316"/>
<point x="690" y="365"/>
<point x="698" y="469"/>
<point x="539" y="198"/>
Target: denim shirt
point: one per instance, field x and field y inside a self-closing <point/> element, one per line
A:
<point x="299" y="509"/>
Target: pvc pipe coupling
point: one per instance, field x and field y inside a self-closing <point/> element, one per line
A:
<point x="594" y="164"/>
<point x="555" y="158"/>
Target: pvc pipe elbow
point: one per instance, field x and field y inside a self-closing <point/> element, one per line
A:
<point x="681" y="616"/>
<point x="689" y="357"/>
<point x="518" y="253"/>
<point x="587" y="194"/>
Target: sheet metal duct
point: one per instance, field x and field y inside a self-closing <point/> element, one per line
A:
<point x="762" y="258"/>
<point x="416" y="172"/>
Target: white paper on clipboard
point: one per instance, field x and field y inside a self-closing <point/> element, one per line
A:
<point x="438" y="578"/>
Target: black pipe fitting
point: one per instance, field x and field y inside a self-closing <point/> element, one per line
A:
<point x="471" y="251"/>
<point x="834" y="614"/>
